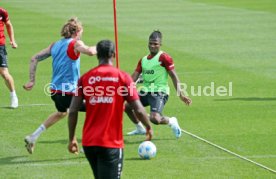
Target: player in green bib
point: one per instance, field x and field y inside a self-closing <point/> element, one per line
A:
<point x="155" y="69"/>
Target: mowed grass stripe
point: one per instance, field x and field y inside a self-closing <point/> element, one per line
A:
<point x="237" y="37"/>
<point x="264" y="6"/>
<point x="213" y="119"/>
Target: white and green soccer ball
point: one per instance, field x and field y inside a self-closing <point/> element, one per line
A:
<point x="147" y="150"/>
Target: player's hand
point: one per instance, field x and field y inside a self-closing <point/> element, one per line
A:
<point x="28" y="86"/>
<point x="186" y="100"/>
<point x="149" y="134"/>
<point x="73" y="147"/>
<point x="13" y="44"/>
<point x="93" y="49"/>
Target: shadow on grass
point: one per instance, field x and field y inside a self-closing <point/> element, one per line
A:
<point x="133" y="158"/>
<point x="127" y="142"/>
<point x="53" y="142"/>
<point x="24" y="159"/>
<point x="25" y="105"/>
<point x="62" y="141"/>
<point x="137" y="141"/>
<point x="6" y="107"/>
<point x="247" y="99"/>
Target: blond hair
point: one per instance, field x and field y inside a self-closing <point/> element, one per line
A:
<point x="71" y="28"/>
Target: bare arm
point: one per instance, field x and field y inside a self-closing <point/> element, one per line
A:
<point x="135" y="76"/>
<point x="10" y="31"/>
<point x="82" y="48"/>
<point x="176" y="83"/>
<point x="142" y="116"/>
<point x="72" y="123"/>
<point x="42" y="55"/>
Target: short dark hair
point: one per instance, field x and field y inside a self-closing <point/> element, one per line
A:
<point x="155" y="35"/>
<point x="105" y="49"/>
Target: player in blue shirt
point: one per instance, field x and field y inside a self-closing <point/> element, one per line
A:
<point x="66" y="71"/>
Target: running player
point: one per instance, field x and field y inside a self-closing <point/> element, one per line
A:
<point x="155" y="69"/>
<point x="66" y="72"/>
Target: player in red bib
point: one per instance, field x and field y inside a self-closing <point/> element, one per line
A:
<point x="4" y="72"/>
<point x="105" y="89"/>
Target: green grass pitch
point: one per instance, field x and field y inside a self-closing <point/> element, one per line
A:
<point x="218" y="41"/>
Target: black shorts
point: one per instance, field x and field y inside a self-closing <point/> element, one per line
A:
<point x="105" y="162"/>
<point x="156" y="100"/>
<point x="3" y="57"/>
<point x="63" y="101"/>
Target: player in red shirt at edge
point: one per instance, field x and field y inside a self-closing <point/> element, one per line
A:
<point x="104" y="88"/>
<point x="4" y="71"/>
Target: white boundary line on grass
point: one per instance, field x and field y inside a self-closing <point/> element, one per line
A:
<point x="228" y="151"/>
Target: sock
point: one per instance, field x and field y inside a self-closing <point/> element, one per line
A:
<point x="13" y="94"/>
<point x="38" y="131"/>
<point x="140" y="126"/>
<point x="170" y="122"/>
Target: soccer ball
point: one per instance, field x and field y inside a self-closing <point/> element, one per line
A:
<point x="147" y="150"/>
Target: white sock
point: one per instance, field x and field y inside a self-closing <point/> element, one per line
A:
<point x="170" y="122"/>
<point x="13" y="94"/>
<point x="38" y="131"/>
<point x="139" y="126"/>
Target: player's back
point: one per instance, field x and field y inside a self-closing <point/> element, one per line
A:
<point x="105" y="88"/>
<point x="66" y="71"/>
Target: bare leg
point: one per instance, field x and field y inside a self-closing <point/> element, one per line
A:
<point x="52" y="119"/>
<point x="156" y="118"/>
<point x="10" y="84"/>
<point x="8" y="78"/>
<point x="132" y="116"/>
<point x="130" y="112"/>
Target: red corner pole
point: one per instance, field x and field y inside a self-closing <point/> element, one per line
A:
<point x="116" y="33"/>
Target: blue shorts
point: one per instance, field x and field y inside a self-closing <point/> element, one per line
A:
<point x="3" y="57"/>
<point x="156" y="100"/>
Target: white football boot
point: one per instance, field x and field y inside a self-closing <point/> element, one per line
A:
<point x="30" y="144"/>
<point x="140" y="130"/>
<point x="14" y="102"/>
<point x="175" y="127"/>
